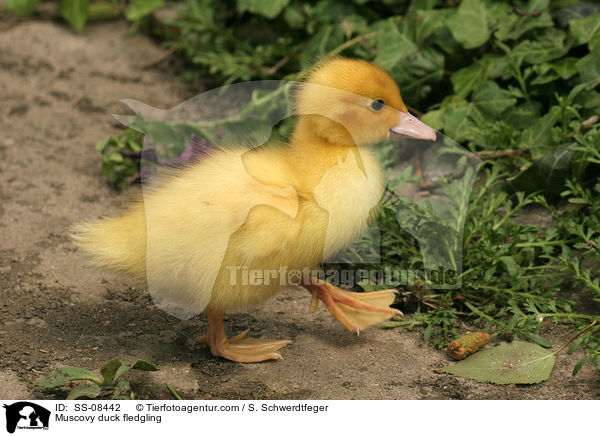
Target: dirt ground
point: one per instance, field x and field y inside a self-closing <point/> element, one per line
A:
<point x="57" y="91"/>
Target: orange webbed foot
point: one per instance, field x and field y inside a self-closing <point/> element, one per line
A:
<point x="240" y="348"/>
<point x="355" y="310"/>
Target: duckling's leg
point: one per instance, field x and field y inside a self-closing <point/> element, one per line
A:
<point x="239" y="348"/>
<point x="355" y="310"/>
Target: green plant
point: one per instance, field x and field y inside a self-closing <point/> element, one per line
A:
<point x="109" y="384"/>
<point x="121" y="157"/>
<point x="78" y="12"/>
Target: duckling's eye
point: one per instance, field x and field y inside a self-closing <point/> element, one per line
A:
<point x="377" y="105"/>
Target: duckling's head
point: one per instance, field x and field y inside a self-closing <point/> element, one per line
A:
<point x="352" y="102"/>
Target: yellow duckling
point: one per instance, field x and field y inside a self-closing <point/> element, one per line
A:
<point x="271" y="209"/>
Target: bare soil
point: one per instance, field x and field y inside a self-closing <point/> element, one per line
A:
<point x="57" y="91"/>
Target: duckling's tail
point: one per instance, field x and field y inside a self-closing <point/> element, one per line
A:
<point x="117" y="244"/>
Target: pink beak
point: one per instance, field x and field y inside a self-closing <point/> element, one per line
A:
<point x="410" y="127"/>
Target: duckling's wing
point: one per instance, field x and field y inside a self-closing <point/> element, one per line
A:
<point x="200" y="216"/>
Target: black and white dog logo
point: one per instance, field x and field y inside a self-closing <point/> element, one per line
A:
<point x="26" y="415"/>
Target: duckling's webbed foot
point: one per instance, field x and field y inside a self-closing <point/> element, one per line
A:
<point x="240" y="348"/>
<point x="355" y="310"/>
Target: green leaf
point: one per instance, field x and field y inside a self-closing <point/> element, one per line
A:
<point x="540" y="340"/>
<point x="415" y="68"/>
<point x="121" y="390"/>
<point x="580" y="364"/>
<point x="74" y="12"/>
<point x="142" y="365"/>
<point x="103" y="10"/>
<point x="424" y="4"/>
<point x="460" y="118"/>
<point x="68" y="374"/>
<point x="576" y="344"/>
<point x="564" y="68"/>
<point x="115" y="156"/>
<point x="468" y="25"/>
<point x="101" y="146"/>
<point x="550" y="46"/>
<point x="585" y="29"/>
<point x="327" y="39"/>
<point x="589" y="67"/>
<point x="116" y="368"/>
<point x="23" y="8"/>
<point x="513" y="26"/>
<point x="434" y="119"/>
<point x="393" y="47"/>
<point x="269" y="9"/>
<point x="538" y="136"/>
<point x="511" y="265"/>
<point x="294" y="17"/>
<point x="469" y="78"/>
<point x="138" y="9"/>
<point x="89" y="390"/>
<point x="520" y="117"/>
<point x="509" y="363"/>
<point x="547" y="174"/>
<point x="576" y="10"/>
<point x="475" y="75"/>
<point x="493" y="100"/>
<point x="109" y="371"/>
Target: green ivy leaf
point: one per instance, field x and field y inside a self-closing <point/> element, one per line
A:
<point x="575" y="10"/>
<point x="585" y="29"/>
<point x="393" y="47"/>
<point x="550" y="71"/>
<point x="471" y="77"/>
<point x="468" y="25"/>
<point x="434" y="119"/>
<point x="493" y="100"/>
<point x="23" y="8"/>
<point x="89" y="390"/>
<point x="550" y="46"/>
<point x="520" y="117"/>
<point x="539" y="135"/>
<point x="74" y="12"/>
<point x="589" y="67"/>
<point x="67" y="374"/>
<point x="513" y="26"/>
<point x="474" y="76"/>
<point x="269" y="9"/>
<point x="517" y="362"/>
<point x="459" y="118"/>
<point x="327" y="39"/>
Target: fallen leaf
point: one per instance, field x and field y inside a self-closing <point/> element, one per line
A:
<point x="516" y="362"/>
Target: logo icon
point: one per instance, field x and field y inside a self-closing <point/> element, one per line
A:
<point x="26" y="415"/>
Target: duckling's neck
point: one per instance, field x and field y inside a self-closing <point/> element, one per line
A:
<point x="311" y="154"/>
<point x="319" y="130"/>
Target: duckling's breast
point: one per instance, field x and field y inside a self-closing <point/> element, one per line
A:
<point x="349" y="192"/>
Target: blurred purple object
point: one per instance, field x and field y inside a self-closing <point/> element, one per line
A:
<point x="195" y="151"/>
